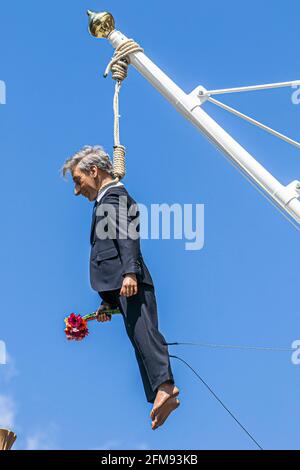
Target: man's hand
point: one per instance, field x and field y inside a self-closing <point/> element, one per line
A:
<point x="129" y="286"/>
<point x="101" y="315"/>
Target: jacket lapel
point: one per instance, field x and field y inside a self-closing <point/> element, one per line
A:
<point x="93" y="222"/>
<point x="96" y="205"/>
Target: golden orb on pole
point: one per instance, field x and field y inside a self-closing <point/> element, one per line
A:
<point x="101" y="24"/>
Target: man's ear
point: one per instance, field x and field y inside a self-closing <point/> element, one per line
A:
<point x="94" y="171"/>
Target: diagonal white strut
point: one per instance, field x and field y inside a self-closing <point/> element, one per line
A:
<point x="255" y="122"/>
<point x="267" y="86"/>
<point x="189" y="105"/>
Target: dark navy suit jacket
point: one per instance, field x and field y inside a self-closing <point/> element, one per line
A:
<point x="113" y="257"/>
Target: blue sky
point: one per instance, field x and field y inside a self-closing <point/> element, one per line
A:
<point x="241" y="288"/>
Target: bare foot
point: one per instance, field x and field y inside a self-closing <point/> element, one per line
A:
<point x="164" y="411"/>
<point x="164" y="392"/>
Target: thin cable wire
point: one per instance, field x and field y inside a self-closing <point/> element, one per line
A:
<point x="230" y="346"/>
<point x="255" y="184"/>
<point x="255" y="122"/>
<point x="220" y="401"/>
<point x="252" y="88"/>
<point x="259" y="189"/>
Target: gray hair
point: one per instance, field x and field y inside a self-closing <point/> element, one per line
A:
<point x="86" y="158"/>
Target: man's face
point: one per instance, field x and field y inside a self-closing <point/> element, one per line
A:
<point x="85" y="184"/>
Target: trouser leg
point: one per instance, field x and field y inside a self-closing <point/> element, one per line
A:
<point x="141" y="323"/>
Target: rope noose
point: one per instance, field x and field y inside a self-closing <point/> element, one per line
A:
<point x="119" y="68"/>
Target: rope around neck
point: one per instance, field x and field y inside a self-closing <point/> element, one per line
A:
<point x="119" y="69"/>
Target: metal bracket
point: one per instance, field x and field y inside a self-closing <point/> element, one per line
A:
<point x="199" y="96"/>
<point x="294" y="188"/>
<point x="291" y="191"/>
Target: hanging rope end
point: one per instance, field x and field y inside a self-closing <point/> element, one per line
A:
<point x="119" y="161"/>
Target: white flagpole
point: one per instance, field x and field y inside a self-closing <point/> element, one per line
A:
<point x="189" y="105"/>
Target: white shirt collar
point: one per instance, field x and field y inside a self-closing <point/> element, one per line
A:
<point x="102" y="191"/>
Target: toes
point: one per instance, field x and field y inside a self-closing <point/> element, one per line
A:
<point x="154" y="424"/>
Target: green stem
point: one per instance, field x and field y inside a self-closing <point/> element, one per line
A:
<point x="93" y="316"/>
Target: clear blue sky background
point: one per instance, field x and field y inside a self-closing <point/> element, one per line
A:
<point x="241" y="288"/>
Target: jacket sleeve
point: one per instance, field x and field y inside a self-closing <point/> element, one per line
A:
<point x="124" y="225"/>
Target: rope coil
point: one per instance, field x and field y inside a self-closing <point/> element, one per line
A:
<point x="118" y="66"/>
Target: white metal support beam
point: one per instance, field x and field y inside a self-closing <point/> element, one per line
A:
<point x="189" y="105"/>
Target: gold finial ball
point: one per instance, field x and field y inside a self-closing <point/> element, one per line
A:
<point x="101" y="24"/>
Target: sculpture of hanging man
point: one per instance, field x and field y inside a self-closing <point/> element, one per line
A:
<point x="120" y="276"/>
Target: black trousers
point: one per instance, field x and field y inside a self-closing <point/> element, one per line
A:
<point x="140" y="318"/>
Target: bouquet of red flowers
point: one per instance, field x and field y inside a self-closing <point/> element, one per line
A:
<point x="76" y="325"/>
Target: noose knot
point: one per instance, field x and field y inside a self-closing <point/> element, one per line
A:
<point x="119" y="162"/>
<point x="119" y="70"/>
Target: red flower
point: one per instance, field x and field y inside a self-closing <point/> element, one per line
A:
<point x="76" y="327"/>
